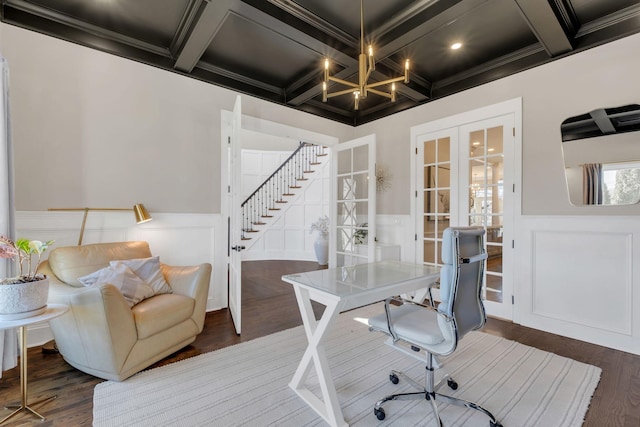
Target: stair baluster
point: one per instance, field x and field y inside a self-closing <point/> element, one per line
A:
<point x="265" y="199"/>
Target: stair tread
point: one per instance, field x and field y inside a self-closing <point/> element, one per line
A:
<point x="281" y="201"/>
<point x="308" y="171"/>
<point x="274" y="209"/>
<point x="322" y="155"/>
<point x="288" y="194"/>
<point x="245" y="238"/>
<point x="259" y="223"/>
<point x="267" y="216"/>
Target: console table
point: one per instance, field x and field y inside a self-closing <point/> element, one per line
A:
<point x="341" y="289"/>
<point x="52" y="311"/>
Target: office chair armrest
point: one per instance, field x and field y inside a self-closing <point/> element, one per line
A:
<point x="402" y="301"/>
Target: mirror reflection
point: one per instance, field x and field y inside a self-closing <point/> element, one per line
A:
<point x="601" y="153"/>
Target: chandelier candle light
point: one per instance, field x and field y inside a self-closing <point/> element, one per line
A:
<point x="366" y="65"/>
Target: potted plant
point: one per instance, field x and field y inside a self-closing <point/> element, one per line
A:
<point x="25" y="294"/>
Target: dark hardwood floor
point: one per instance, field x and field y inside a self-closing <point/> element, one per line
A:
<point x="269" y="306"/>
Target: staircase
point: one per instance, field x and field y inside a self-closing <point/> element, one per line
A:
<point x="271" y="196"/>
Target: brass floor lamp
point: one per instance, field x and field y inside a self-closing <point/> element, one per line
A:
<point x="141" y="213"/>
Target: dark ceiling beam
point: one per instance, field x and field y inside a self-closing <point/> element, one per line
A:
<point x="566" y="14"/>
<point x="542" y="20"/>
<point x="294" y="9"/>
<point x="627" y="18"/>
<point x="382" y="53"/>
<point x="402" y="18"/>
<point x="267" y="21"/>
<point x="504" y="61"/>
<point x="244" y="80"/>
<point x="210" y="16"/>
<point x="443" y="14"/>
<point x="187" y="21"/>
<point x="68" y="21"/>
<point x="316" y="89"/>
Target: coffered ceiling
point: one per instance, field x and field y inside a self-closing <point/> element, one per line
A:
<point x="274" y="49"/>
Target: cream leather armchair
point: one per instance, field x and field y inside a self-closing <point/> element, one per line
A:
<point x="101" y="334"/>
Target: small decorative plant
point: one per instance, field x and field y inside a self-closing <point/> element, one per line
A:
<point x="360" y="235"/>
<point x="321" y="225"/>
<point x="22" y="251"/>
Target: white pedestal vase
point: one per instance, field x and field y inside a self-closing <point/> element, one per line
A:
<point x="21" y="300"/>
<point x="321" y="246"/>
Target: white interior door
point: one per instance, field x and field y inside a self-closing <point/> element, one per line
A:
<point x="234" y="221"/>
<point x="486" y="199"/>
<point x="436" y="185"/>
<point x="464" y="175"/>
<point x="353" y="213"/>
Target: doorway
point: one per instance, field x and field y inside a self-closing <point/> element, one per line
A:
<point x="229" y="180"/>
<point x="465" y="174"/>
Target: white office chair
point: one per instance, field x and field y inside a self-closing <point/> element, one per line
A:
<point x="413" y="327"/>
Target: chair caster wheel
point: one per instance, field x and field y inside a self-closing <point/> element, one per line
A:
<point x="454" y="386"/>
<point x="379" y="413"/>
<point x="496" y="424"/>
<point x="394" y="378"/>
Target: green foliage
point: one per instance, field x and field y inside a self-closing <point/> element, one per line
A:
<point x="627" y="190"/>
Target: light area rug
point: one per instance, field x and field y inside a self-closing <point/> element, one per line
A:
<point x="247" y="384"/>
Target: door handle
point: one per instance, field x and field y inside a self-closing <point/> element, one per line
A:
<point x="238" y="248"/>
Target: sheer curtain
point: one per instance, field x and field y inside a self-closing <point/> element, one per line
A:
<point x="592" y="184"/>
<point x="8" y="337"/>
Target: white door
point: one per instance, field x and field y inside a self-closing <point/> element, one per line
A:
<point x="436" y="185"/>
<point x="464" y="175"/>
<point x="486" y="198"/>
<point x="234" y="220"/>
<point x="353" y="213"/>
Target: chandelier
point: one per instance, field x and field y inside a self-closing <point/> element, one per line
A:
<point x="366" y="65"/>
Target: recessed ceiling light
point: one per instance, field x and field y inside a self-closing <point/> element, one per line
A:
<point x="476" y="143"/>
<point x="456" y="46"/>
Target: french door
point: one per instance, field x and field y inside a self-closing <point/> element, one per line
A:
<point x="465" y="177"/>
<point x="353" y="204"/>
<point x="486" y="183"/>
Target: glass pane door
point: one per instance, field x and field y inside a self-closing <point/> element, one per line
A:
<point x="354" y="202"/>
<point x="435" y="197"/>
<point x="486" y="200"/>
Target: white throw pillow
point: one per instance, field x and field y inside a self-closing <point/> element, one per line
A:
<point x="132" y="287"/>
<point x="148" y="269"/>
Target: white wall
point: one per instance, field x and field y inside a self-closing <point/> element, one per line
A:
<point x="178" y="239"/>
<point x="605" y="76"/>
<point x="94" y="129"/>
<point x="86" y="122"/>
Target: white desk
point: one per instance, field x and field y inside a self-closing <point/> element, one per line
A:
<point x="52" y="311"/>
<point x="341" y="289"/>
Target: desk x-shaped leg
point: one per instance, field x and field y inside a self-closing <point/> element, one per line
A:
<point x="329" y="407"/>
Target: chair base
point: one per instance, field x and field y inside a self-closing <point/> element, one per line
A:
<point x="432" y="396"/>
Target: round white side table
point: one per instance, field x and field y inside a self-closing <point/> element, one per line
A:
<point x="52" y="311"/>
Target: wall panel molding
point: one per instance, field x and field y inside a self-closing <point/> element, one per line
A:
<point x="580" y="277"/>
<point x="178" y="239"/>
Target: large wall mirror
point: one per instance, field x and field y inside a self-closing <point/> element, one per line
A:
<point x="601" y="151"/>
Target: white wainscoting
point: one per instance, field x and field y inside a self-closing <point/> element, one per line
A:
<point x="286" y="235"/>
<point x="580" y="277"/>
<point x="178" y="239"/>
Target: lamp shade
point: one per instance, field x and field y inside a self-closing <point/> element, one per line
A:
<point x="142" y="215"/>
